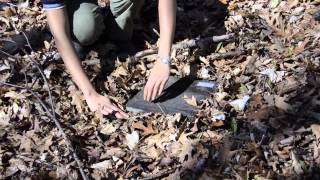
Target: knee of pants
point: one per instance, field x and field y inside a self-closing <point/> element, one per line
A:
<point x="88" y="23"/>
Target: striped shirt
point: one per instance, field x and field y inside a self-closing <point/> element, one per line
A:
<point x="53" y="4"/>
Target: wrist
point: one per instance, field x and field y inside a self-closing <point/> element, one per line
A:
<point x="89" y="93"/>
<point x="164" y="59"/>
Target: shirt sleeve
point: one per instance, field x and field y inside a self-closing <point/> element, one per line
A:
<point x="52" y="4"/>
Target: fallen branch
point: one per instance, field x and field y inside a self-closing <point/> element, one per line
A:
<point x="145" y="53"/>
<point x="57" y="123"/>
<point x="160" y="174"/>
<point x="51" y="114"/>
<point x="202" y="42"/>
<point x="226" y="55"/>
<point x="189" y="44"/>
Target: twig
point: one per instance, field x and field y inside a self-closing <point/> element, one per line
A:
<point x="57" y="123"/>
<point x="51" y="114"/>
<point x="146" y="53"/>
<point x="160" y="174"/>
<point x="202" y="42"/>
<point x="230" y="54"/>
<point x="189" y="44"/>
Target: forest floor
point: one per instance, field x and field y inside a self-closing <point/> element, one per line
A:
<point x="262" y="122"/>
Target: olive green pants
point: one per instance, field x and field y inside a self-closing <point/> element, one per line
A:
<point x="88" y="24"/>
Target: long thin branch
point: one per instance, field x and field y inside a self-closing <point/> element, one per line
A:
<point x="189" y="44"/>
<point x="57" y="123"/>
<point x="52" y="114"/>
<point x="160" y="174"/>
<point x="202" y="42"/>
<point x="229" y="54"/>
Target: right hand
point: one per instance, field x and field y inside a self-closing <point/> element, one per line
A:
<point x="97" y="102"/>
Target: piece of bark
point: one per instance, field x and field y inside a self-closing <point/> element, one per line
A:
<point x="172" y="99"/>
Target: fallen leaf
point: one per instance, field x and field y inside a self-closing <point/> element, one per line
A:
<point x="316" y="130"/>
<point x="147" y="130"/>
<point x="274" y="3"/>
<point x="297" y="164"/>
<point x="191" y="101"/>
<point x="104" y="165"/>
<point x="120" y="71"/>
<point x="108" y="129"/>
<point x="132" y="140"/>
<point x="281" y="104"/>
<point x="274" y="76"/>
<point x="240" y="104"/>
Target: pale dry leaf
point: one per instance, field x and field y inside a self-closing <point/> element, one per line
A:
<point x="281" y="104"/>
<point x="191" y="101"/>
<point x="218" y="115"/>
<point x="120" y="71"/>
<point x="14" y="95"/>
<point x="108" y="129"/>
<point x="296" y="163"/>
<point x="274" y="76"/>
<point x="132" y="140"/>
<point x="274" y="3"/>
<point x="220" y="96"/>
<point x="77" y="98"/>
<point x="240" y="104"/>
<point x="316" y="130"/>
<point x="4" y="119"/>
<point x="104" y="165"/>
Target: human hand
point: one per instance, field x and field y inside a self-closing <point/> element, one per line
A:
<point x="97" y="102"/>
<point x="157" y="80"/>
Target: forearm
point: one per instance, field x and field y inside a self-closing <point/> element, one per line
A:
<point x="167" y="21"/>
<point x="59" y="26"/>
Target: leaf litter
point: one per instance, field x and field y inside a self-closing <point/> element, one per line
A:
<point x="262" y="123"/>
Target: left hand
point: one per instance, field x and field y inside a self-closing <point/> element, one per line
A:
<point x="157" y="80"/>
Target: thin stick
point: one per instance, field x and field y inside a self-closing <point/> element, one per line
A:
<point x="57" y="123"/>
<point x="202" y="42"/>
<point x="159" y="174"/>
<point x="230" y="54"/>
<point x="53" y="114"/>
<point x="189" y="44"/>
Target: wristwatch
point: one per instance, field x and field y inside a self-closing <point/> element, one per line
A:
<point x="165" y="59"/>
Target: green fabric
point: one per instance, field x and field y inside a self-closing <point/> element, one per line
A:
<point x="87" y="22"/>
<point x="120" y="27"/>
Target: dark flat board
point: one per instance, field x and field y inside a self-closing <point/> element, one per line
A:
<point x="171" y="101"/>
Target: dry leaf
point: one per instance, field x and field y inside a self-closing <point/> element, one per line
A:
<point x="104" y="165"/>
<point x="147" y="130"/>
<point x="120" y="71"/>
<point x="108" y="129"/>
<point x="316" y="130"/>
<point x="132" y="140"/>
<point x="191" y="101"/>
<point x="240" y="104"/>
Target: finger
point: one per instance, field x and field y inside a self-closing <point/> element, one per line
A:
<point x="120" y="114"/>
<point x="162" y="87"/>
<point x="149" y="92"/>
<point x="106" y="111"/>
<point x="146" y="91"/>
<point x="155" y="90"/>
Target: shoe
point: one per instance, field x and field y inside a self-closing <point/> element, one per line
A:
<point x="79" y="50"/>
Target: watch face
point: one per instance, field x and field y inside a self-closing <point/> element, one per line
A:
<point x="165" y="60"/>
